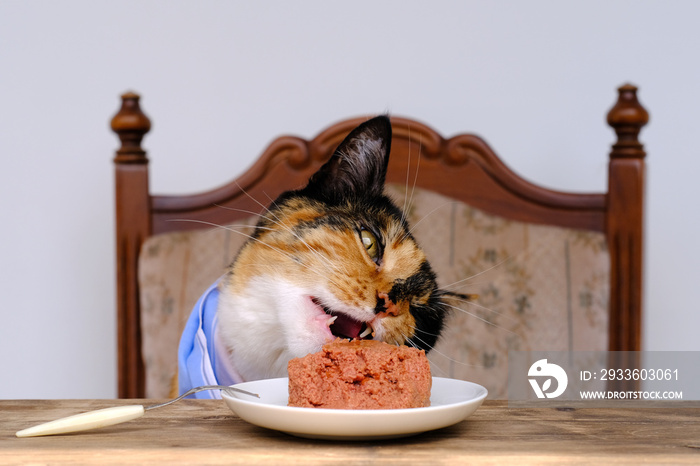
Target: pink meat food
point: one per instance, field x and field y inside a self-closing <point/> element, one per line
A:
<point x="360" y="374"/>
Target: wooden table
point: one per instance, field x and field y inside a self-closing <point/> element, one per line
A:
<point x="206" y="432"/>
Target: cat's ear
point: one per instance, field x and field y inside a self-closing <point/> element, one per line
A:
<point x="358" y="166"/>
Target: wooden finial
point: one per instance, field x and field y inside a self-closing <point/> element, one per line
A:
<point x="627" y="118"/>
<point x="130" y="124"/>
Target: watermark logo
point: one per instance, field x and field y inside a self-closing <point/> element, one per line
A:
<point x="603" y="378"/>
<point x="543" y="370"/>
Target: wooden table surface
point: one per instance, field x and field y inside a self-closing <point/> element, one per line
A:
<point x="207" y="432"/>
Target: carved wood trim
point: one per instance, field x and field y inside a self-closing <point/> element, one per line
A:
<point x="133" y="225"/>
<point x="289" y="161"/>
<point x="625" y="220"/>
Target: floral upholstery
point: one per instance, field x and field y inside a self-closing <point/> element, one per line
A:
<point x="174" y="270"/>
<point x="539" y="288"/>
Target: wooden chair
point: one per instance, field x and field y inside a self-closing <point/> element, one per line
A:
<point x="462" y="168"/>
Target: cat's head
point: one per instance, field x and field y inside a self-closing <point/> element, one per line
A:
<point x="334" y="259"/>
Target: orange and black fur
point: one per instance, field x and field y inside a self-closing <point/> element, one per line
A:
<point x="334" y="259"/>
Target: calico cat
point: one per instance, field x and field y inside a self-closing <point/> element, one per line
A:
<point x="333" y="259"/>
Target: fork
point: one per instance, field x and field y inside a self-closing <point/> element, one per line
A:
<point x="111" y="416"/>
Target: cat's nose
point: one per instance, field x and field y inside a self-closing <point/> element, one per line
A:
<point x="381" y="304"/>
<point x="385" y="306"/>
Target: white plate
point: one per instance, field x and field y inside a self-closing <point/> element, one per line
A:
<point x="451" y="402"/>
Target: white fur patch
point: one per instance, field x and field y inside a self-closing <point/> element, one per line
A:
<point x="270" y="323"/>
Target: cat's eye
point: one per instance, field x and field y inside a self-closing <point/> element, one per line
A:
<point x="369" y="241"/>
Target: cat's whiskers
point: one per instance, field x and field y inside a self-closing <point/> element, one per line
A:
<point x="475" y="304"/>
<point x="471" y="277"/>
<point x="415" y="178"/>
<point x="408" y="200"/>
<point x="267" y="211"/>
<point x="532" y="254"/>
<point x="413" y="327"/>
<point x="233" y="209"/>
<point x="486" y="321"/>
<point x="272" y="268"/>
<point x="277" y="222"/>
<point x="229" y="227"/>
<point x="284" y="253"/>
<point x="429" y="214"/>
<point x="434" y="351"/>
<point x="333" y="265"/>
<point x="408" y="173"/>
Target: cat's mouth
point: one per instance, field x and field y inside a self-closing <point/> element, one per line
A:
<point x="342" y="325"/>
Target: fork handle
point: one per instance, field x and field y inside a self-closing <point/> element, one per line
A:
<point x="85" y="421"/>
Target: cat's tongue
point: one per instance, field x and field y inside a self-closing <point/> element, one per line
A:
<point x="345" y="326"/>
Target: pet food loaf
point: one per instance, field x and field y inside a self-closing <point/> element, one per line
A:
<point x="360" y="374"/>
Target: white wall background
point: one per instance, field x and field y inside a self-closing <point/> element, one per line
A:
<point x="220" y="79"/>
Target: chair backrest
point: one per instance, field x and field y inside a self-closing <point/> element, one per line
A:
<point x="462" y="168"/>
